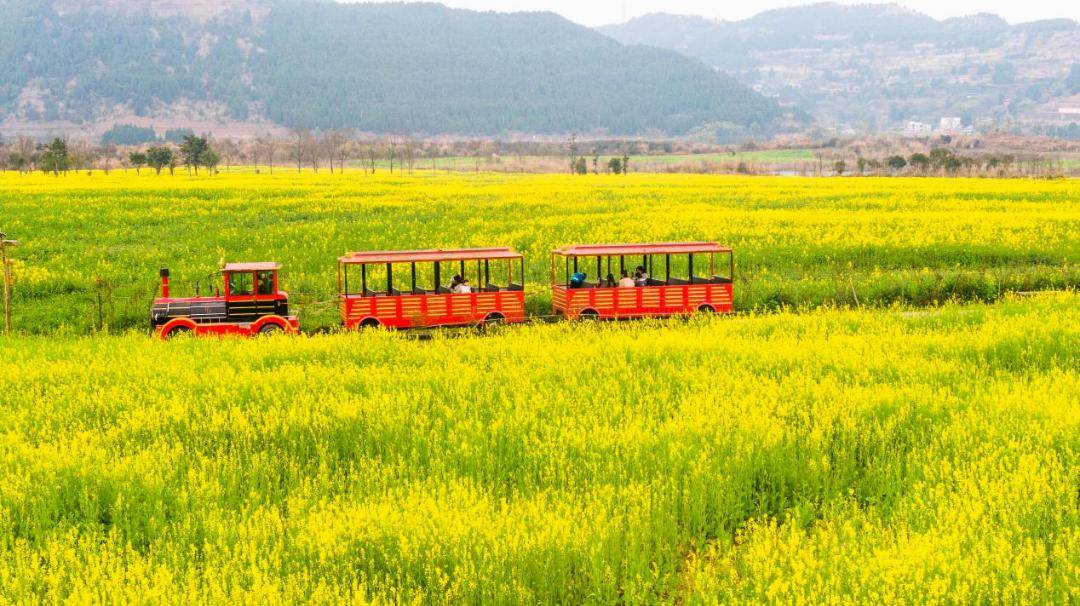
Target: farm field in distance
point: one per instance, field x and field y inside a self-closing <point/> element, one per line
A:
<point x="799" y="242"/>
<point x="892" y="417"/>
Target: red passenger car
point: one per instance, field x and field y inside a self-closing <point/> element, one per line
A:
<point x="250" y="303"/>
<point x="424" y="288"/>
<point x="642" y="292"/>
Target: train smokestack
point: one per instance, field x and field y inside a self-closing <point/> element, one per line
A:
<point x="165" y="282"/>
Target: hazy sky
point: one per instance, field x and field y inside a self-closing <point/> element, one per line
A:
<point x="601" y="12"/>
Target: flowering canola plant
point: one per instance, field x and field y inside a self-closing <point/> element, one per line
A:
<point x="893" y="455"/>
<point x="92" y="245"/>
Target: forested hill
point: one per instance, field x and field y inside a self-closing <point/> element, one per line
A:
<point x="416" y="68"/>
<point x="877" y="66"/>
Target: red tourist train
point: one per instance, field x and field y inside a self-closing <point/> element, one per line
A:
<point x="465" y="287"/>
<point x="252" y="304"/>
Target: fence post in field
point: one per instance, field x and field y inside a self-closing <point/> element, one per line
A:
<point x="6" y="265"/>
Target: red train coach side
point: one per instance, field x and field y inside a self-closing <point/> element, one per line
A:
<point x="437" y="288"/>
<point x="635" y="291"/>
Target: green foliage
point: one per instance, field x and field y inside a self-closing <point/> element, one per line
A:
<point x="177" y="135"/>
<point x="874" y="77"/>
<point x="128" y="134"/>
<point x="1072" y="82"/>
<point x="159" y="156"/>
<point x="196" y="152"/>
<point x="419" y="68"/>
<point x="17" y="162"/>
<point x="56" y="158"/>
<point x="919" y="161"/>
<point x="137" y="159"/>
<point x="615" y="166"/>
<point x="896" y="162"/>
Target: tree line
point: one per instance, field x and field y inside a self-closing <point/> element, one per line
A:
<point x="59" y="156"/>
<point x="939" y="160"/>
<point x="299" y="150"/>
<point x="335" y="150"/>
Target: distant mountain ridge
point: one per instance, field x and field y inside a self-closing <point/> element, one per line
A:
<point x="878" y="65"/>
<point x="410" y="68"/>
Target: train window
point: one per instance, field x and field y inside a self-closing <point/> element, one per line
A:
<point x="425" y="278"/>
<point x="265" y="282"/>
<point x="240" y="283"/>
<point x="374" y="279"/>
<point x="495" y="275"/>
<point x="402" y="282"/>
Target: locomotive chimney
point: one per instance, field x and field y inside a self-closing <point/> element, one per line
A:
<point x="165" y="282"/>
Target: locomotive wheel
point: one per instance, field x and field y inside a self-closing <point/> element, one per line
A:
<point x="589" y="314"/>
<point x="178" y="331"/>
<point x="270" y="329"/>
<point x="706" y="309"/>
<point x="369" y="323"/>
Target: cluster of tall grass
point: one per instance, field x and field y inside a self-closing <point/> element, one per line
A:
<point x="91" y="246"/>
<point x="871" y="456"/>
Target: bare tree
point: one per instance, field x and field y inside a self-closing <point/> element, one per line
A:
<point x="433" y="151"/>
<point x="229" y="150"/>
<point x="477" y="148"/>
<point x="313" y="147"/>
<point x="391" y="150"/>
<point x="108" y="152"/>
<point x="335" y="142"/>
<point x="373" y="154"/>
<point x="27" y="152"/>
<point x="409" y="149"/>
<point x="252" y="151"/>
<point x="572" y="149"/>
<point x="300" y="138"/>
<point x="345" y="149"/>
<point x="270" y="147"/>
<point x="83" y="155"/>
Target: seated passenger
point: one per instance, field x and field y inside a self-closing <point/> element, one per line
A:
<point x="610" y="280"/>
<point x="463" y="287"/>
<point x="641" y="277"/>
<point x="455" y="282"/>
<point x="626" y="281"/>
<point x="577" y="280"/>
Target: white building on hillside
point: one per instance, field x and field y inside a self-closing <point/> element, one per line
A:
<point x="917" y="129"/>
<point x="950" y="125"/>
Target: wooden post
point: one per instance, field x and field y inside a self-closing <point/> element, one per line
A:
<point x="6" y="266"/>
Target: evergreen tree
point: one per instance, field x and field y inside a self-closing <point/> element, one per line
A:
<point x="194" y="150"/>
<point x="158" y="157"/>
<point x="56" y="158"/>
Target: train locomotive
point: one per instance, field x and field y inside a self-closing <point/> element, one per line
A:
<point x="248" y="303"/>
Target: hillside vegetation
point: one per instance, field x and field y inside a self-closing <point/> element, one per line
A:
<point x="416" y="68"/>
<point x="876" y="66"/>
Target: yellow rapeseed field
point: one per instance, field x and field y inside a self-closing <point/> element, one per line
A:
<point x="798" y="241"/>
<point x="890" y="456"/>
<point x="887" y="421"/>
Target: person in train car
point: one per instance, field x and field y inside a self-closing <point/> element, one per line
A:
<point x="641" y="277"/>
